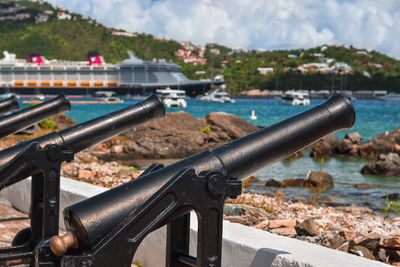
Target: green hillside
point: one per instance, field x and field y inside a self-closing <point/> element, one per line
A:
<point x="72" y="39"/>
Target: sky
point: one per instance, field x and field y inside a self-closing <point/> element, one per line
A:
<point x="254" y="24"/>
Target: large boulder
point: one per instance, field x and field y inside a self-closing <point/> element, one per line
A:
<point x="180" y="135"/>
<point x="230" y="124"/>
<point x="325" y="146"/>
<point x="387" y="165"/>
<point x="381" y="144"/>
<point x="319" y="179"/>
<point x="63" y="121"/>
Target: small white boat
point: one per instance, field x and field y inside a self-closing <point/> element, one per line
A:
<point x="296" y="98"/>
<point x="390" y="96"/>
<point x="8" y="95"/>
<point x="39" y="97"/>
<point x="217" y="95"/>
<point x="107" y="97"/>
<point x="172" y="97"/>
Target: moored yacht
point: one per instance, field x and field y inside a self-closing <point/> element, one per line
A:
<point x="107" y="97"/>
<point x="296" y="98"/>
<point x="218" y="95"/>
<point x="172" y="97"/>
<point x="390" y="96"/>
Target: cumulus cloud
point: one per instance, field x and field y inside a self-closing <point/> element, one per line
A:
<point x="252" y="24"/>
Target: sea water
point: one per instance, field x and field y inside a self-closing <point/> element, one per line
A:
<point x="372" y="118"/>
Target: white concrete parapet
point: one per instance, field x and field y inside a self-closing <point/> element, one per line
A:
<point x="242" y="246"/>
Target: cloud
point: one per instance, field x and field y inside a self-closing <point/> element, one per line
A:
<point x="275" y="24"/>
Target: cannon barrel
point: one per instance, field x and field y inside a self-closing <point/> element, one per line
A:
<point x="24" y="118"/>
<point x="93" y="218"/>
<point x="8" y="104"/>
<point x="84" y="135"/>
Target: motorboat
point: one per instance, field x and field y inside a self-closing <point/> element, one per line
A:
<point x="39" y="97"/>
<point x="390" y="96"/>
<point x="107" y="97"/>
<point x="172" y="97"/>
<point x="8" y="95"/>
<point x="296" y="98"/>
<point x="218" y="96"/>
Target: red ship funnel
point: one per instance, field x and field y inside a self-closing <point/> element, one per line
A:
<point x="95" y="58"/>
<point x="37" y="58"/>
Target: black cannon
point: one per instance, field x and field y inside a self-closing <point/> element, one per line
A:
<point x="106" y="230"/>
<point x="24" y="118"/>
<point x="8" y="104"/>
<point x="41" y="158"/>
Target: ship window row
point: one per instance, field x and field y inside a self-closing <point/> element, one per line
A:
<point x="124" y="77"/>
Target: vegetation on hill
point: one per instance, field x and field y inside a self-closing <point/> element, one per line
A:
<point x="72" y="39"/>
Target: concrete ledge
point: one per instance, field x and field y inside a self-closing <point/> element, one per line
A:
<point x="242" y="246"/>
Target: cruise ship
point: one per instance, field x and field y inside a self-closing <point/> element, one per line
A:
<point x="129" y="77"/>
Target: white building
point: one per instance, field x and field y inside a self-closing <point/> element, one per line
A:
<point x="264" y="71"/>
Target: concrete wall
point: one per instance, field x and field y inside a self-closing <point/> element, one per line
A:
<point x="242" y="246"/>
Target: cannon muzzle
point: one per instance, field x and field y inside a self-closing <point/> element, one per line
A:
<point x="24" y="118"/>
<point x="92" y="219"/>
<point x="84" y="135"/>
<point x="8" y="104"/>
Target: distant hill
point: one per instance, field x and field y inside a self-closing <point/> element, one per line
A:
<point x="71" y="39"/>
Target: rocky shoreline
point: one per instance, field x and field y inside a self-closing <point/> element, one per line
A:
<point x="352" y="229"/>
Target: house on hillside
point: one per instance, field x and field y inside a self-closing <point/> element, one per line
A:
<point x="264" y="71"/>
<point x="314" y="68"/>
<point x="125" y="34"/>
<point x="342" y="68"/>
<point x="194" y="60"/>
<point x="41" y="18"/>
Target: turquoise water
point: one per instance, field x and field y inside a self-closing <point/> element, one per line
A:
<point x="373" y="118"/>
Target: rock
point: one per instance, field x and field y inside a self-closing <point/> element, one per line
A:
<point x="336" y="242"/>
<point x="387" y="165"/>
<point x="117" y="149"/>
<point x="344" y="247"/>
<point x="282" y="223"/>
<point x="245" y="220"/>
<point x="366" y="186"/>
<point x="293" y="182"/>
<point x="179" y="135"/>
<point x="279" y="193"/>
<point x="285" y="231"/>
<point x="234" y="126"/>
<point x="371" y="243"/>
<point x="355" y="138"/>
<point x="390" y="243"/>
<point x="86" y="174"/>
<point x="382" y="255"/>
<point x="356" y="210"/>
<point x="63" y="121"/>
<point x="233" y="209"/>
<point x="345" y="146"/>
<point x="325" y="146"/>
<point x="392" y="196"/>
<point x="249" y="180"/>
<point x="348" y="234"/>
<point x="319" y="179"/>
<point x="262" y="225"/>
<point x="273" y="182"/>
<point x="307" y="227"/>
<point x="382" y="144"/>
<point x="362" y="251"/>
